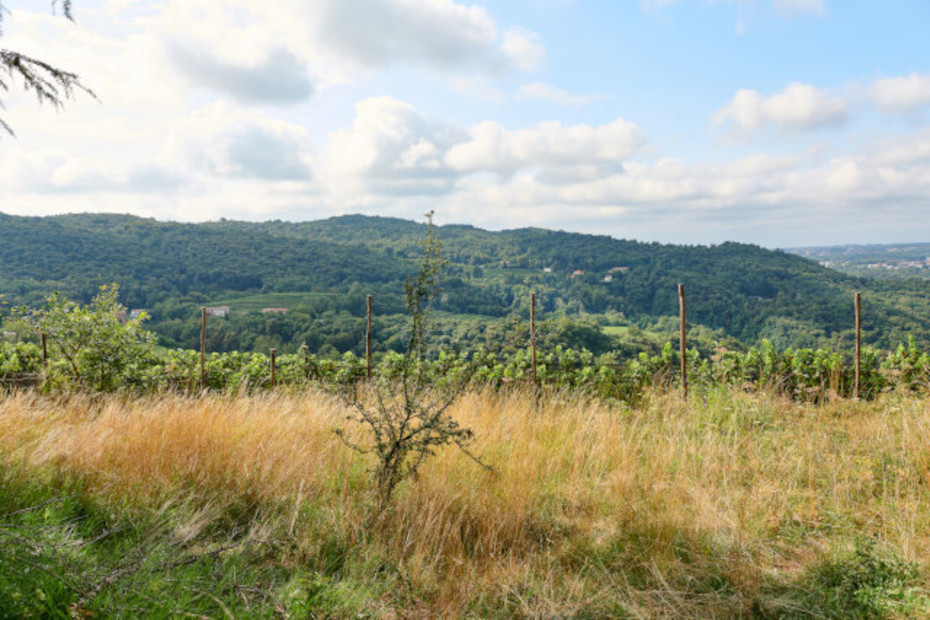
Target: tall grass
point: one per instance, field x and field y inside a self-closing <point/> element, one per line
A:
<point x="730" y="504"/>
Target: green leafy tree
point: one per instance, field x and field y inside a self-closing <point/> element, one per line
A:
<point x="96" y="347"/>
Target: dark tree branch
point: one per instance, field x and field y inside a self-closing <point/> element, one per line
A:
<point x="50" y="84"/>
<point x="65" y="7"/>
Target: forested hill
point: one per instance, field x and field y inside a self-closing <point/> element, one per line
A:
<point x="155" y="260"/>
<point x="744" y="290"/>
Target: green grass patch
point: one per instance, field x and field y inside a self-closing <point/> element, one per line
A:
<point x="255" y="303"/>
<point x="616" y="330"/>
<point x="62" y="554"/>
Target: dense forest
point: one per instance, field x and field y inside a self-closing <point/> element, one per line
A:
<point x="596" y="292"/>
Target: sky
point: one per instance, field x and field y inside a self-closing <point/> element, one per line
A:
<point x="783" y="123"/>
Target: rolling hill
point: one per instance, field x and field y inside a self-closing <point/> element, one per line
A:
<point x="323" y="269"/>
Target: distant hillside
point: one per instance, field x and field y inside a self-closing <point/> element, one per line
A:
<point x="910" y="260"/>
<point x="327" y="266"/>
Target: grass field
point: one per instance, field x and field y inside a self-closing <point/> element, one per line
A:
<point x="255" y="303"/>
<point x="729" y="505"/>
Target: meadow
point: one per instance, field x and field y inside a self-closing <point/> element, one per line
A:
<point x="733" y="503"/>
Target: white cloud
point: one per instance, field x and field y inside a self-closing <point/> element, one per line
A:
<point x="754" y="199"/>
<point x="801" y="107"/>
<point x="390" y="149"/>
<point x="524" y="48"/>
<point x="440" y="34"/>
<point x="224" y="142"/>
<point x="393" y="149"/>
<point x="901" y="94"/>
<point x="547" y="92"/>
<point x="492" y="148"/>
<point x="278" y="77"/>
<point x="329" y="41"/>
<point x="25" y="170"/>
<point x="904" y="153"/>
<point x="59" y="171"/>
<point x="376" y="32"/>
<point x="216" y="143"/>
<point x="83" y="173"/>
<point x="797" y="107"/>
<point x="129" y="68"/>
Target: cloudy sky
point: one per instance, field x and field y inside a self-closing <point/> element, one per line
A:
<point x="778" y="122"/>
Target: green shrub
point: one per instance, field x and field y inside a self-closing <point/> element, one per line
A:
<point x="868" y="582"/>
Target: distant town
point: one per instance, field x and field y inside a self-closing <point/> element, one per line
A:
<point x="911" y="259"/>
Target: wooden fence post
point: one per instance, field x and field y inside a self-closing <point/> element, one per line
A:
<point x="683" y="345"/>
<point x="274" y="353"/>
<point x="858" y="345"/>
<point x="368" y="338"/>
<point x="203" y="348"/>
<point x="305" y="359"/>
<point x="533" y="334"/>
<point x="44" y="350"/>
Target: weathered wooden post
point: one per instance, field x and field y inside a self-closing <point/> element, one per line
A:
<point x="274" y="353"/>
<point x="44" y="350"/>
<point x="368" y="338"/>
<point x="305" y="359"/>
<point x="858" y="345"/>
<point x="683" y="345"/>
<point x="203" y="348"/>
<point x="533" y="333"/>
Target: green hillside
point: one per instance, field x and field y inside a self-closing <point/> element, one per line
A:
<point x="157" y="260"/>
<point x="321" y="271"/>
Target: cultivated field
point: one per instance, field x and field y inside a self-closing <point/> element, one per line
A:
<point x="731" y="504"/>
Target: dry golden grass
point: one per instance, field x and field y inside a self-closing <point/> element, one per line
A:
<point x="590" y="505"/>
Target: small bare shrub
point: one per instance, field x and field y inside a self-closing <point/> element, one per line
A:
<point x="406" y="409"/>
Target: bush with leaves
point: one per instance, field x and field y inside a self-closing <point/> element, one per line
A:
<point x="19" y="358"/>
<point x="93" y="347"/>
<point x="867" y="582"/>
<point x="908" y="367"/>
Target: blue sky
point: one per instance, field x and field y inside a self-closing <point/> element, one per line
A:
<point x="777" y="122"/>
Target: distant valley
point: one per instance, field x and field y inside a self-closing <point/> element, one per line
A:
<point x="873" y="261"/>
